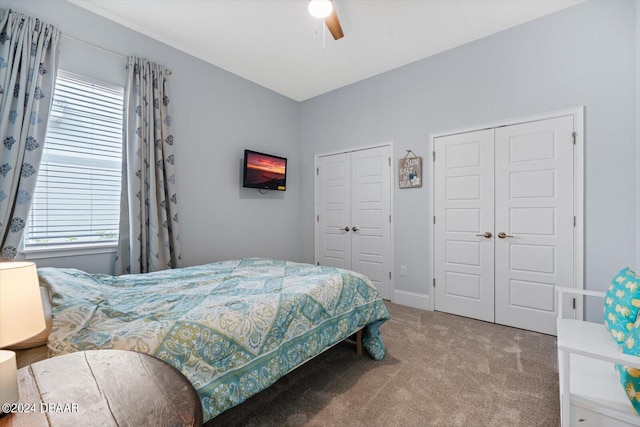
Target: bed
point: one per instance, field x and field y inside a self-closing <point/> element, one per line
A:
<point x="232" y="328"/>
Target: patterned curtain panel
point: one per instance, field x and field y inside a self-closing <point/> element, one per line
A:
<point x="28" y="64"/>
<point x="149" y="235"/>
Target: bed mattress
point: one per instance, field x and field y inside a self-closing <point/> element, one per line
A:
<point x="232" y="328"/>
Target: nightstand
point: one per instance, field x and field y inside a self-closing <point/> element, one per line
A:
<point x="104" y="388"/>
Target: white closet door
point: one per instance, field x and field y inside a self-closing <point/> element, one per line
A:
<point x="353" y="204"/>
<point x="370" y="216"/>
<point x="534" y="199"/>
<point x="333" y="207"/>
<point x="464" y="210"/>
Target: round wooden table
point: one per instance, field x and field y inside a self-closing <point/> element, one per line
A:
<point x="104" y="388"/>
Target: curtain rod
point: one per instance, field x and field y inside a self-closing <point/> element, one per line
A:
<point x="167" y="71"/>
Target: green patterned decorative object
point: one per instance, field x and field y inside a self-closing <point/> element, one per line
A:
<point x="621" y="304"/>
<point x="630" y="377"/>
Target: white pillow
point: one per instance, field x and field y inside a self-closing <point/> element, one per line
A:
<point x="42" y="337"/>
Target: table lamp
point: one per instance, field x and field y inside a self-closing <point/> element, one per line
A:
<point x="21" y="317"/>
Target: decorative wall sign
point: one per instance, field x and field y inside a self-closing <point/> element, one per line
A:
<point x="410" y="171"/>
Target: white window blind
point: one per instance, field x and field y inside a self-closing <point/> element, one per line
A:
<point x="77" y="197"/>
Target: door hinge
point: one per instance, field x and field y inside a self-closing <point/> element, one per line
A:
<point x="389" y="275"/>
<point x="434" y="282"/>
<point x="318" y="218"/>
<point x="574" y="221"/>
<point x="574" y="135"/>
<point x="434" y="219"/>
<point x="389" y="219"/>
<point x="317" y="171"/>
<point x="434" y="156"/>
<point x="389" y="161"/>
<point x="574" y="303"/>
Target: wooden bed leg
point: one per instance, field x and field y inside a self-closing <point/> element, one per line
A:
<point x="359" y="348"/>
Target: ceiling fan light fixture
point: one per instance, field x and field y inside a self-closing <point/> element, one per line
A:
<point x="320" y="8"/>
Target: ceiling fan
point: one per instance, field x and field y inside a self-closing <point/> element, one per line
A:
<point x="323" y="9"/>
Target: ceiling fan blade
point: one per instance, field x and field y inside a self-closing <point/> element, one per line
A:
<point x="333" y="24"/>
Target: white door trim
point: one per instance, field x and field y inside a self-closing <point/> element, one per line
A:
<point x="578" y="177"/>
<point x="392" y="207"/>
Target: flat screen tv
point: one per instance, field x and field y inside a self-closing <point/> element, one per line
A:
<point x="264" y="171"/>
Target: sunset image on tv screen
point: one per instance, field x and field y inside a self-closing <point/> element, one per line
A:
<point x="265" y="170"/>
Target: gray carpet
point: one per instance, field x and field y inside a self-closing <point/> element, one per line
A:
<point x="440" y="369"/>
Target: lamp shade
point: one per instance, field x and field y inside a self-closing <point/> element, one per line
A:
<point x="21" y="314"/>
<point x="320" y="8"/>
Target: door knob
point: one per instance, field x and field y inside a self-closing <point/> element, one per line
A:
<point x="354" y="229"/>
<point x="502" y="235"/>
<point x="345" y="229"/>
<point x="486" y="234"/>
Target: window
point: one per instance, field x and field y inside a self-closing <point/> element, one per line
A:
<point x="77" y="196"/>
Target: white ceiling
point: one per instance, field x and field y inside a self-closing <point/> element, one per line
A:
<point x="277" y="44"/>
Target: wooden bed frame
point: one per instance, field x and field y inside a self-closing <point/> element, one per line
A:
<point x="358" y="340"/>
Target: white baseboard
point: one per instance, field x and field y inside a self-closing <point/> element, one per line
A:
<point x="412" y="299"/>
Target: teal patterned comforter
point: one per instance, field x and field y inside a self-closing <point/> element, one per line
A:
<point x="232" y="328"/>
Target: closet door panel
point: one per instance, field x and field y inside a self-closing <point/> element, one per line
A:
<point x="534" y="199"/>
<point x="370" y="211"/>
<point x="464" y="269"/>
<point x="333" y="204"/>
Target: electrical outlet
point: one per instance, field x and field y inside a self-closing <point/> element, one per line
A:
<point x="403" y="270"/>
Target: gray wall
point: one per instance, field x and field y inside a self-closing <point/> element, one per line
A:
<point x="584" y="55"/>
<point x="216" y="116"/>
<point x="638" y="133"/>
